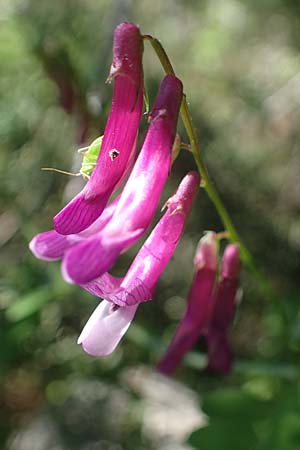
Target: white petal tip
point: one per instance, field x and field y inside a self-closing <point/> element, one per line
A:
<point x="66" y="276"/>
<point x="34" y="250"/>
<point x="32" y="247"/>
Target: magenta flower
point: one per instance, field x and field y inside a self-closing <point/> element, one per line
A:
<point x="51" y="245"/>
<point x="219" y="353"/>
<point x="199" y="306"/>
<point x="209" y="310"/>
<point x="113" y="316"/>
<point x="90" y="253"/>
<point x="119" y="135"/>
<point x="140" y="196"/>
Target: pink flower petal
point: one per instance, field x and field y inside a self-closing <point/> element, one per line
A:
<point x="83" y="262"/>
<point x="119" y="135"/>
<point x="139" y="283"/>
<point x="199" y="306"/>
<point x="219" y="354"/>
<point x="109" y="322"/>
<point x="50" y="245"/>
<point x="140" y="195"/>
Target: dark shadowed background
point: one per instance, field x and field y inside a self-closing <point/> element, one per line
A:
<point x="240" y="65"/>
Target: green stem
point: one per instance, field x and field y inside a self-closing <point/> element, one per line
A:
<point x="209" y="185"/>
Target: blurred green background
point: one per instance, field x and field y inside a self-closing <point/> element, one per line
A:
<point x="240" y="64"/>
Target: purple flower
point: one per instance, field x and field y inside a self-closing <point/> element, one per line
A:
<point x="113" y="316"/>
<point x="119" y="135"/>
<point x="89" y="254"/>
<point x="199" y="306"/>
<point x="209" y="310"/>
<point x="219" y="353"/>
<point x="51" y="245"/>
<point x="140" y="196"/>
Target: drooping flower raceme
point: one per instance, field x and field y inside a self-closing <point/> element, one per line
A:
<point x="88" y="235"/>
<point x="119" y="136"/>
<point x="219" y="353"/>
<point x="199" y="306"/>
<point x="92" y="252"/>
<point x="113" y="316"/>
<point x="140" y="196"/>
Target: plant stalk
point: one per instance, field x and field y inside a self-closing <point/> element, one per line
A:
<point x="209" y="186"/>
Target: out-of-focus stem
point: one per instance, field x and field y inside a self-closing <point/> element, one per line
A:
<point x="209" y="185"/>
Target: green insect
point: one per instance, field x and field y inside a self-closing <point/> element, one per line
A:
<point x="89" y="160"/>
<point x="90" y="156"/>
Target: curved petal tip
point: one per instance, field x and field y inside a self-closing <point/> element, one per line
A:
<point x="105" y="328"/>
<point x="49" y="246"/>
<point x="79" y="214"/>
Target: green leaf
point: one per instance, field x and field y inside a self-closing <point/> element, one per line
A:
<point x="224" y="434"/>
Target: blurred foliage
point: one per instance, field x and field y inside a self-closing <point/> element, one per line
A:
<point x="239" y="61"/>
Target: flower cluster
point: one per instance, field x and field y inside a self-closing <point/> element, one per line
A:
<point x="210" y="308"/>
<point x="90" y="233"/>
<point x="122" y="296"/>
